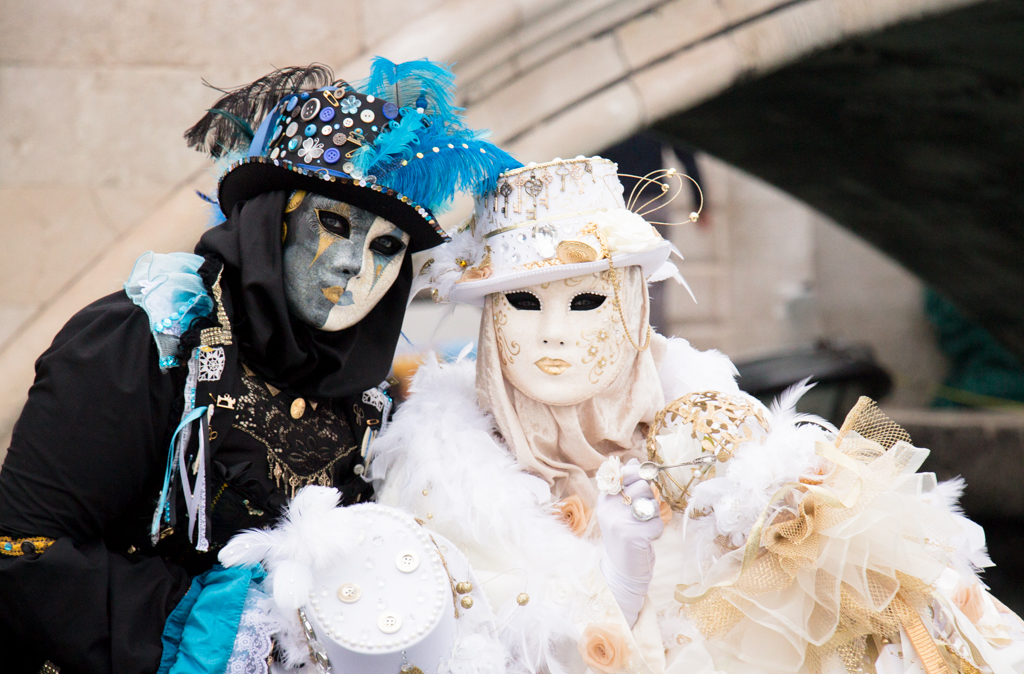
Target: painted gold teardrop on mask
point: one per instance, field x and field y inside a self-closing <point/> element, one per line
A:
<point x="333" y="294"/>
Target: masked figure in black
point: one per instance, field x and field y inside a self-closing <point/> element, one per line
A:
<point x="165" y="419"/>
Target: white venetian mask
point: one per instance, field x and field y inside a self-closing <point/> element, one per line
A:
<point x="560" y="342"/>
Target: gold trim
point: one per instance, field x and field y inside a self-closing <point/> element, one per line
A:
<point x="219" y="335"/>
<point x="11" y="547"/>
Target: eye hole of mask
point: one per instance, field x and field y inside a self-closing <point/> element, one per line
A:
<point x="334" y="223"/>
<point x="586" y="302"/>
<point x="523" y="301"/>
<point x="387" y="245"/>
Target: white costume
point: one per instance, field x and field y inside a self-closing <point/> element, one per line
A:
<point x="776" y="544"/>
<point x="794" y="546"/>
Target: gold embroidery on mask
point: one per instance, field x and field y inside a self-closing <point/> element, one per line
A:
<point x="596" y="341"/>
<point x="506" y="351"/>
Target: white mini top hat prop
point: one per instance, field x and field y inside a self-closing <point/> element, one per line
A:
<point x="367" y="589"/>
<point x="551" y="221"/>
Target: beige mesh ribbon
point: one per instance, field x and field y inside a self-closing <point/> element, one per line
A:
<point x="867" y="458"/>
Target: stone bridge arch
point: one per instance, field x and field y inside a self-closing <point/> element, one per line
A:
<point x="548" y="78"/>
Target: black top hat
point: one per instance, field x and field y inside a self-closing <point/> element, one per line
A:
<point x="398" y="148"/>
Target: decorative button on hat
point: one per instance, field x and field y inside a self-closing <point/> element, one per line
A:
<point x="545" y="222"/>
<point x="393" y="144"/>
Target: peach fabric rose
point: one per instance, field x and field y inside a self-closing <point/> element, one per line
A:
<point x="574" y="514"/>
<point x="664" y="509"/>
<point x="604" y="648"/>
<point x="970" y="600"/>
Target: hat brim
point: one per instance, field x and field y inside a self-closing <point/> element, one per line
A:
<point x="256" y="175"/>
<point x="474" y="292"/>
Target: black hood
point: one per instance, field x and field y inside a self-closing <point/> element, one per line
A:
<point x="281" y="349"/>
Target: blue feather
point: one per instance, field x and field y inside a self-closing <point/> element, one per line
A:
<point x="406" y="83"/>
<point x="393" y="143"/>
<point x="433" y="180"/>
<point x="464" y="161"/>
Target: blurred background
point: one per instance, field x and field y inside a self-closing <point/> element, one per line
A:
<point x="861" y="162"/>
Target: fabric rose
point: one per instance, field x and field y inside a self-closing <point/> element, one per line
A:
<point x="664" y="509"/>
<point x="609" y="476"/>
<point x="604" y="648"/>
<point x="475" y="274"/>
<point x="626" y="231"/>
<point x="970" y="600"/>
<point x="574" y="514"/>
<point x="676" y="444"/>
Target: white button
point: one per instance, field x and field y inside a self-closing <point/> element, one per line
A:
<point x="407" y="561"/>
<point x="389" y="623"/>
<point x="349" y="593"/>
<point x="366" y="115"/>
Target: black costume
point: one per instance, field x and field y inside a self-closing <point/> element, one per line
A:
<point x="89" y="450"/>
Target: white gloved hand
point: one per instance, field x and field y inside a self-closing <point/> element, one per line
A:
<point x="628" y="559"/>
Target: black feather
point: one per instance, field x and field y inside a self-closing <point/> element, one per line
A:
<point x="219" y="131"/>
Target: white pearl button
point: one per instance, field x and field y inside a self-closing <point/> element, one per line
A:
<point x="350" y="593"/>
<point x="389" y="623"/>
<point x="407" y="561"/>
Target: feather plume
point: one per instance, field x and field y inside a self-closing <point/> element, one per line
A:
<point x="405" y="83"/>
<point x="223" y="128"/>
<point x="783" y="409"/>
<point x="391" y="144"/>
<point x="471" y="165"/>
<point x="449" y="263"/>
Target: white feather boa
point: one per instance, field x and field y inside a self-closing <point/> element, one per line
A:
<point x="441" y="459"/>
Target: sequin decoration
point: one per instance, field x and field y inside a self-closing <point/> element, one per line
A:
<point x="544" y="240"/>
<point x="350" y="105"/>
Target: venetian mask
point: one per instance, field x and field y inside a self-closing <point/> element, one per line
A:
<point x="560" y="342"/>
<point x="338" y="260"/>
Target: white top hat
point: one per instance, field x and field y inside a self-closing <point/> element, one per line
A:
<point x="366" y="589"/>
<point x="545" y="222"/>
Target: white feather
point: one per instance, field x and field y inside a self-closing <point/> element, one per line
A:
<point x="687" y="370"/>
<point x="441" y="442"/>
<point x="450" y="261"/>
<point x="783" y="409"/>
<point x="290" y="582"/>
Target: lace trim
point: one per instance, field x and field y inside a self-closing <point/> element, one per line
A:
<point x="254" y="640"/>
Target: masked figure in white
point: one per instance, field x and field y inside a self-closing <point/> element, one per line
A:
<point x="780" y="544"/>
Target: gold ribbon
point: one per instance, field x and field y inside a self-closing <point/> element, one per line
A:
<point x="821" y="495"/>
<point x="792" y="544"/>
<point x="919" y="637"/>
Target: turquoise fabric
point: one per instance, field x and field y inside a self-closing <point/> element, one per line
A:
<point x="199" y="635"/>
<point x="172" y="293"/>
